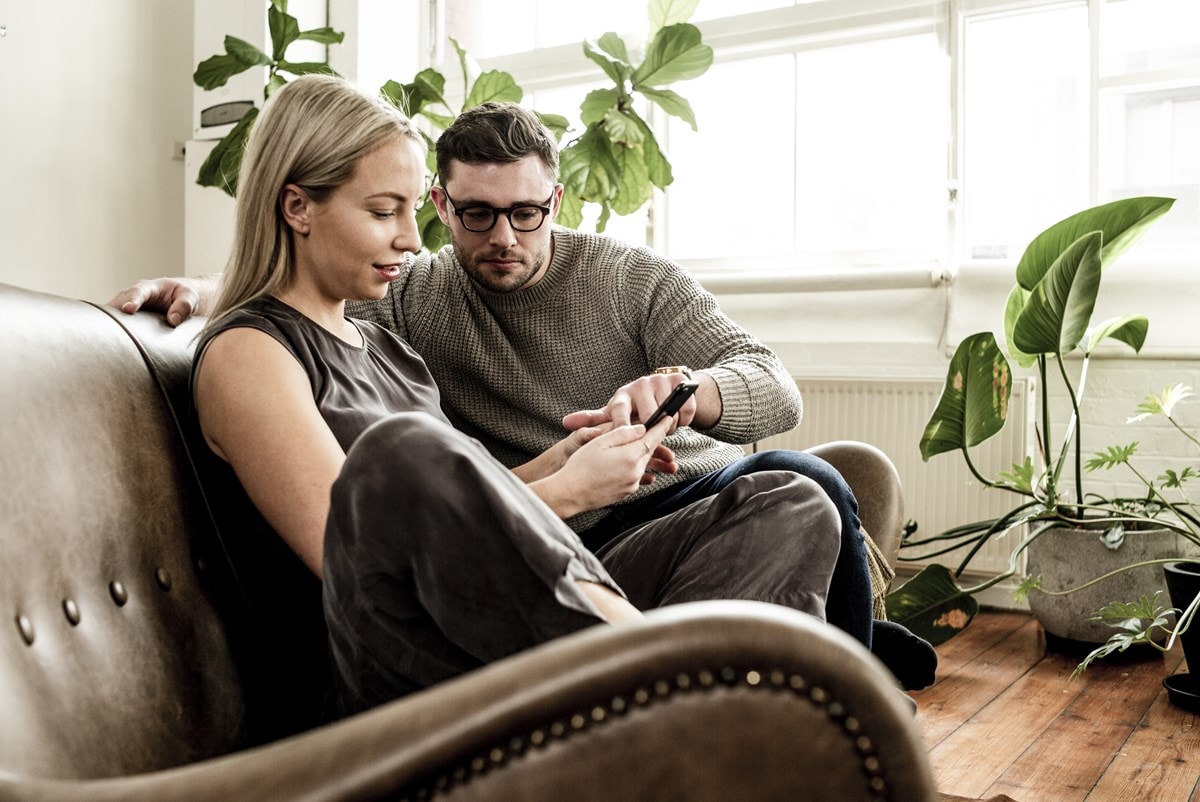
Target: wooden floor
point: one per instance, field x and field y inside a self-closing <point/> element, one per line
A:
<point x="1004" y="718"/>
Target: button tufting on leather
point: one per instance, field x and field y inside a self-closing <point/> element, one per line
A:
<point x="163" y="578"/>
<point x="71" y="609"/>
<point x="119" y="594"/>
<point x="26" y="627"/>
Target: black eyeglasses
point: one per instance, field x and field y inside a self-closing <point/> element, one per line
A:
<point x="523" y="217"/>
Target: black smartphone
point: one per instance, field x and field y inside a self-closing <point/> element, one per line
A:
<point x="673" y="402"/>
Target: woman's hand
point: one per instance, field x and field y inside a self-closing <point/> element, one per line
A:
<point x="607" y="468"/>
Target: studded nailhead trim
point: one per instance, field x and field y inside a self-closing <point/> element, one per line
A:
<point x="656" y="692"/>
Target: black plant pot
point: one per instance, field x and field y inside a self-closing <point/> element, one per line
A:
<point x="1183" y="583"/>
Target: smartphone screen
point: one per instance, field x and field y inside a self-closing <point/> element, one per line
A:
<point x="673" y="402"/>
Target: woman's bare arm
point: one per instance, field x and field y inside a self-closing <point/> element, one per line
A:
<point x="257" y="412"/>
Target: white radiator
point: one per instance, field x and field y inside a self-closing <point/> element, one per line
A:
<point x="891" y="414"/>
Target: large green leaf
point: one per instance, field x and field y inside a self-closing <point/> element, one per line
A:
<point x="493" y="85"/>
<point x="221" y="167"/>
<point x="598" y="103"/>
<point x="325" y="36"/>
<point x="676" y="53"/>
<point x="932" y="605"/>
<point x="558" y="124"/>
<point x="434" y="233"/>
<point x="570" y="212"/>
<point x="1122" y="223"/>
<point x="974" y="401"/>
<point x="634" y="189"/>
<point x="658" y="169"/>
<point x="245" y="52"/>
<point x="427" y="89"/>
<point x="284" y="28"/>
<point x="468" y="66"/>
<point x="1129" y="329"/>
<point x="605" y="216"/>
<point x="615" y="65"/>
<point x="215" y="71"/>
<point x="672" y="103"/>
<point x="1059" y="309"/>
<point x="274" y="83"/>
<point x="589" y="168"/>
<point x="622" y="128"/>
<point x="1013" y="308"/>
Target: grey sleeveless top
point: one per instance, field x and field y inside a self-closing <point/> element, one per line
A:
<point x="353" y="386"/>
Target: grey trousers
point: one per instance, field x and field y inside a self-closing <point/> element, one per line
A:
<point x="439" y="560"/>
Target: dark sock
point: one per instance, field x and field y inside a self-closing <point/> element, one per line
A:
<point x="911" y="658"/>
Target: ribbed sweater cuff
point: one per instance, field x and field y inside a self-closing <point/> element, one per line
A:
<point x="737" y="411"/>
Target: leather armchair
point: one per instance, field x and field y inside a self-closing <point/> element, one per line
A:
<point x="162" y="645"/>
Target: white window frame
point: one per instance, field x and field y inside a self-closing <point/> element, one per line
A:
<point x="823" y="24"/>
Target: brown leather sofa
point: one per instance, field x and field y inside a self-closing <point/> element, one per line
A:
<point x="160" y="644"/>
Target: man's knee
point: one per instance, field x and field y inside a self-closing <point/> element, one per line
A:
<point x="805" y="464"/>
<point x="790" y="499"/>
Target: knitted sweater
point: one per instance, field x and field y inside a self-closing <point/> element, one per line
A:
<point x="511" y="365"/>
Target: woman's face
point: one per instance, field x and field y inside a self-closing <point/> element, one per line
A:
<point x="358" y="238"/>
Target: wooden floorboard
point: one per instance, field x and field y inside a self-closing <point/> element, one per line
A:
<point x="1004" y="718"/>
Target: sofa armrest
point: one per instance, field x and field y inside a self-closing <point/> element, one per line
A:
<point x="710" y="700"/>
<point x="872" y="476"/>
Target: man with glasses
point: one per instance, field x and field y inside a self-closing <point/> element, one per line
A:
<point x="527" y="328"/>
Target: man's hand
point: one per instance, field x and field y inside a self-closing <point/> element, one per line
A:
<point x="179" y="298"/>
<point x="636" y="401"/>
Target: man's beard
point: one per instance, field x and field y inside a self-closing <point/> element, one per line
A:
<point x="508" y="282"/>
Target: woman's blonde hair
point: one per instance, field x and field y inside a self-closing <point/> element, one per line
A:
<point x="311" y="133"/>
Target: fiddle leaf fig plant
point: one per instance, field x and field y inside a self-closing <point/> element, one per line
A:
<point x="1047" y="318"/>
<point x="615" y="162"/>
<point x="221" y="167"/>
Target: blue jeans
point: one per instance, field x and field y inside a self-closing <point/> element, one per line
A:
<point x="848" y="606"/>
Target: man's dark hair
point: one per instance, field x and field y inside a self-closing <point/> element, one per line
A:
<point x="495" y="132"/>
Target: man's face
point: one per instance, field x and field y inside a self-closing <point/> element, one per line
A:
<point x="501" y="259"/>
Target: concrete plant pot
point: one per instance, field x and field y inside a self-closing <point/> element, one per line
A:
<point x="1068" y="558"/>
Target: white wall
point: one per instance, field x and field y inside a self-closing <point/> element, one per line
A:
<point x="93" y="98"/>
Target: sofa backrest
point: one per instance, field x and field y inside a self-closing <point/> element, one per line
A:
<point x="132" y="643"/>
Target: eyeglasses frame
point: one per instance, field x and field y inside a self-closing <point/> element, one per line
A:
<point x="544" y="208"/>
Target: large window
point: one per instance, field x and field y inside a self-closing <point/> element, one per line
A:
<point x="847" y="133"/>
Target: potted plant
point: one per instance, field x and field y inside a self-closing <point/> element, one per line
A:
<point x="1145" y="621"/>
<point x="1047" y="320"/>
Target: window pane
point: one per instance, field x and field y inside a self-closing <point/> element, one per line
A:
<point x="1149" y="146"/>
<point x="710" y="10"/>
<point x="1025" y="129"/>
<point x="1149" y="35"/>
<point x="733" y="191"/>
<point x="488" y="28"/>
<point x="871" y="148"/>
<point x="834" y="151"/>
